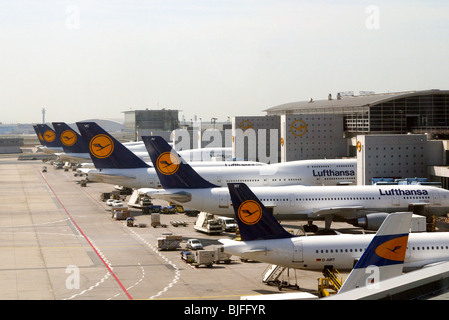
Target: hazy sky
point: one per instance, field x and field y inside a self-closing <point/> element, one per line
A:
<point x="211" y="58"/>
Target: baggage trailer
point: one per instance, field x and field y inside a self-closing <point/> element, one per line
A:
<point x="156" y="220"/>
<point x="120" y="213"/>
<point x="198" y="258"/>
<point x="168" y="242"/>
<point x="221" y="256"/>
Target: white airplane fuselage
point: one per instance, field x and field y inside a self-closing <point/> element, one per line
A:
<point x="138" y="148"/>
<point x="340" y="251"/>
<point x="316" y="202"/>
<point x="302" y="172"/>
<point x="198" y="154"/>
<point x="147" y="177"/>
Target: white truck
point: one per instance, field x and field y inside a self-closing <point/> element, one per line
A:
<point x="227" y="223"/>
<point x="207" y="223"/>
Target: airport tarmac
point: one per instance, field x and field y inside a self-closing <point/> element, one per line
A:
<point x="58" y="242"/>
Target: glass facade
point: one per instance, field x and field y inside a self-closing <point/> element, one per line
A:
<point x="416" y="114"/>
<point x="166" y="120"/>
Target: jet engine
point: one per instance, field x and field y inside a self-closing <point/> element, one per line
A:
<point x="371" y="221"/>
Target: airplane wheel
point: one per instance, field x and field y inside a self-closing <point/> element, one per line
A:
<point x="310" y="228"/>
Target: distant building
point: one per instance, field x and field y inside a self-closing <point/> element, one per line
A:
<point x="143" y="122"/>
<point x="10" y="145"/>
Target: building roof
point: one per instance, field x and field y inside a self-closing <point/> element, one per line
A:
<point x="351" y="101"/>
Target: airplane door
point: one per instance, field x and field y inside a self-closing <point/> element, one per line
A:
<point x="297" y="252"/>
<point x="436" y="197"/>
<point x="291" y="200"/>
<point x="395" y="200"/>
<point x="265" y="180"/>
<point x="223" y="199"/>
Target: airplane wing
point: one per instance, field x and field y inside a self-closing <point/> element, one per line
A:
<point x="434" y="264"/>
<point x="84" y="170"/>
<point x="111" y="177"/>
<point x="344" y="212"/>
<point x="177" y="196"/>
<point x="254" y="250"/>
<point x="419" y="204"/>
<point x="73" y="157"/>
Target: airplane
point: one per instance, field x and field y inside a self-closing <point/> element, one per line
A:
<point x="382" y="260"/>
<point x="365" y="206"/>
<point x="302" y="172"/>
<point x="47" y="136"/>
<point x="76" y="150"/>
<point x="73" y="145"/>
<point x="116" y="164"/>
<point x="265" y="240"/>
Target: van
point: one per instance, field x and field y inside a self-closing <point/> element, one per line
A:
<point x="228" y="224"/>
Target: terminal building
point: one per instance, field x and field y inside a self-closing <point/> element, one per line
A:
<point x="401" y="112"/>
<point x="393" y="135"/>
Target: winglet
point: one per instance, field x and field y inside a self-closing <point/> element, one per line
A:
<point x="105" y="150"/>
<point x="384" y="257"/>
<point x="172" y="170"/>
<point x="70" y="140"/>
<point x="47" y="136"/>
<point x="254" y="220"/>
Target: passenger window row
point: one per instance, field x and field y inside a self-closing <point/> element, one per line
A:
<point x="431" y="248"/>
<point x="340" y="250"/>
<point x="341" y="198"/>
<point x="416" y="248"/>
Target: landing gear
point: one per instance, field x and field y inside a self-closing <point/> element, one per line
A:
<point x="310" y="227"/>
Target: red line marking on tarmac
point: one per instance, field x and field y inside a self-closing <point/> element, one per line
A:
<point x="88" y="241"/>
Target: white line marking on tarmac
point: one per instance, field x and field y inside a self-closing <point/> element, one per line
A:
<point x="35" y="225"/>
<point x="138" y="282"/>
<point x="177" y="271"/>
<point x="106" y="276"/>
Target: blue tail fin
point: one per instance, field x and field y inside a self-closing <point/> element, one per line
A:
<point x="38" y="133"/>
<point x="254" y="220"/>
<point x="172" y="170"/>
<point x="385" y="254"/>
<point x="105" y="150"/>
<point x="70" y="139"/>
<point x="47" y="136"/>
